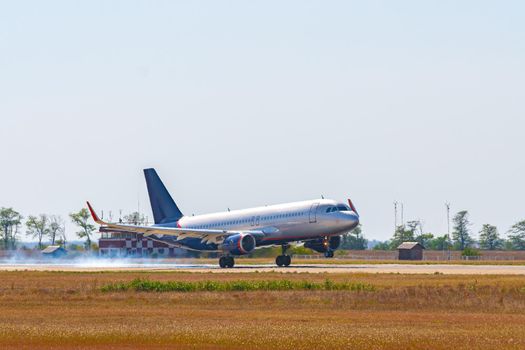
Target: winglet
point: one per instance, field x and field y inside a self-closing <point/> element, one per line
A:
<point x="352" y="206"/>
<point x="94" y="215"/>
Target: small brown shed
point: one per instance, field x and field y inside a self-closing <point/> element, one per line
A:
<point x="410" y="251"/>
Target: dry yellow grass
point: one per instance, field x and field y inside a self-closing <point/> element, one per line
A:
<point x="67" y="310"/>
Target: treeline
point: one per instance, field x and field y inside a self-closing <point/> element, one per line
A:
<point x="49" y="228"/>
<point x="354" y="240"/>
<point x="42" y="227"/>
<point x="461" y="237"/>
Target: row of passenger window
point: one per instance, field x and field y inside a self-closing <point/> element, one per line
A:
<point x="251" y="220"/>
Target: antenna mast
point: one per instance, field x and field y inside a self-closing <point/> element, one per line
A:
<point x="395" y="216"/>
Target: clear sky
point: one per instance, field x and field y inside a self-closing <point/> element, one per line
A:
<point x="247" y="103"/>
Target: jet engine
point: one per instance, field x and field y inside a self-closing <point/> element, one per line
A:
<point x="239" y="244"/>
<point x="322" y="245"/>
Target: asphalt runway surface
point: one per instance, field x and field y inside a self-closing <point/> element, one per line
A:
<point x="126" y="265"/>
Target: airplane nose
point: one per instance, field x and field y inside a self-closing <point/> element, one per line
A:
<point x="355" y="219"/>
<point x="352" y="219"/>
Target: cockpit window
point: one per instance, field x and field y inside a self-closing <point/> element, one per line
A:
<point x="338" y="208"/>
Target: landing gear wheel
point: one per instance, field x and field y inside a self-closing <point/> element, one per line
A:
<point x="226" y="261"/>
<point x="283" y="260"/>
<point x="329" y="254"/>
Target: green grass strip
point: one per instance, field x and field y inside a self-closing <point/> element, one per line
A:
<point x="145" y="285"/>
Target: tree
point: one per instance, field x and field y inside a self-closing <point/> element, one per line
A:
<point x="62" y="239"/>
<point x="404" y="234"/>
<point x="415" y="225"/>
<point x="470" y="252"/>
<point x="461" y="232"/>
<point x="86" y="229"/>
<point x="507" y="245"/>
<point x="382" y="246"/>
<point x="56" y="228"/>
<point x="517" y="235"/>
<point x="438" y="243"/>
<point x="10" y="221"/>
<point x="135" y="218"/>
<point x="489" y="238"/>
<point x="354" y="240"/>
<point x="38" y="227"/>
<point x="425" y="239"/>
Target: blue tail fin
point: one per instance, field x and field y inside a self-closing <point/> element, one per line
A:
<point x="163" y="207"/>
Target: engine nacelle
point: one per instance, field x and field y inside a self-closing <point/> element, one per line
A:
<point x="239" y="244"/>
<point x="322" y="246"/>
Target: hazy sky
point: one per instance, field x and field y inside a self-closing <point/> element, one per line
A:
<point x="247" y="103"/>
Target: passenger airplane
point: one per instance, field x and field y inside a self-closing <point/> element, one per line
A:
<point x="318" y="223"/>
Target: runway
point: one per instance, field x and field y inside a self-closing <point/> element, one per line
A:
<point x="126" y="265"/>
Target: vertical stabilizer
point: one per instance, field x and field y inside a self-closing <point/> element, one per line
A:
<point x="163" y="206"/>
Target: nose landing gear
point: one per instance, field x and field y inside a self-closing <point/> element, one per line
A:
<point x="329" y="253"/>
<point x="226" y="261"/>
<point x="283" y="259"/>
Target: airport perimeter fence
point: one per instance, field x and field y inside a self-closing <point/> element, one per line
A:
<point x="431" y="255"/>
<point x="488" y="258"/>
<point x="344" y="257"/>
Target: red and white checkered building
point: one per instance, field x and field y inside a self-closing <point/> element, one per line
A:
<point x="125" y="244"/>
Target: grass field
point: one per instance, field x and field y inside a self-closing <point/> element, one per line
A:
<point x="76" y="310"/>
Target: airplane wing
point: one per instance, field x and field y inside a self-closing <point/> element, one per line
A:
<point x="206" y="236"/>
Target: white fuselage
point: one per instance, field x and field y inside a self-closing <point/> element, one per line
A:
<point x="283" y="222"/>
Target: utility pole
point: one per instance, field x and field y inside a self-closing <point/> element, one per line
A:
<point x="447" y="205"/>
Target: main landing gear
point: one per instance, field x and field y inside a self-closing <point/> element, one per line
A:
<point x="226" y="261"/>
<point x="283" y="259"/>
